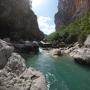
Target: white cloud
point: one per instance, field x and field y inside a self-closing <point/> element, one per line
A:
<point x="37" y="3"/>
<point x="45" y="24"/>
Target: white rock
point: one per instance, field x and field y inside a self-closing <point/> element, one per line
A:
<point x="5" y="52"/>
<point x="15" y="75"/>
<point x="82" y="54"/>
<point x="56" y="52"/>
<point x="16" y="64"/>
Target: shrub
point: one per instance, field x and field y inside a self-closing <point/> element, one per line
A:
<point x="75" y="31"/>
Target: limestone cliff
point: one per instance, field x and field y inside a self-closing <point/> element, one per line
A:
<point x="69" y="10"/>
<point x="18" y="21"/>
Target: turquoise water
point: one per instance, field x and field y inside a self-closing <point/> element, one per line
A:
<point x="61" y="73"/>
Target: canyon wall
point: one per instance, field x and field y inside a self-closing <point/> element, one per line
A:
<point x="69" y="10"/>
<point x="18" y="21"/>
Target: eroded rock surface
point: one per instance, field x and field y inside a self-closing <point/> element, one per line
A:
<point x="5" y="52"/>
<point x="82" y="54"/>
<point x="15" y="75"/>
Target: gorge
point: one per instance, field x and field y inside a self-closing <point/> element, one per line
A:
<point x="71" y="41"/>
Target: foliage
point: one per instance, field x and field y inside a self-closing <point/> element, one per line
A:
<point x="75" y="31"/>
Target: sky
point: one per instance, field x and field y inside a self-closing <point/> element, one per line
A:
<point x="45" y="11"/>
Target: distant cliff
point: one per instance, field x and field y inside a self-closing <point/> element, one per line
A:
<point x="18" y="21"/>
<point x="69" y="10"/>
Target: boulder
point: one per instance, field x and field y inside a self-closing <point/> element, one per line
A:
<point x="30" y="79"/>
<point x="36" y="77"/>
<point x="27" y="47"/>
<point x="56" y="52"/>
<point x="81" y="55"/>
<point x="15" y="75"/>
<point x="5" y="52"/>
<point x="15" y="64"/>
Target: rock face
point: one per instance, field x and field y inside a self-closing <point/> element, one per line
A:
<point x="69" y="10"/>
<point x="5" y="52"/>
<point x="15" y="76"/>
<point x="82" y="55"/>
<point x="18" y="21"/>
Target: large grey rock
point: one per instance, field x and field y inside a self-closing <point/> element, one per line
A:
<point x="15" y="64"/>
<point x="15" y="75"/>
<point x="37" y="79"/>
<point x="5" y="52"/>
<point x="81" y="55"/>
<point x="55" y="52"/>
<point x="30" y="79"/>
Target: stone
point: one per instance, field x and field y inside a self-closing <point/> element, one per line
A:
<point x="38" y="80"/>
<point x="24" y="81"/>
<point x="81" y="55"/>
<point x="15" y="75"/>
<point x="56" y="52"/>
<point x="5" y="52"/>
<point x="15" y="64"/>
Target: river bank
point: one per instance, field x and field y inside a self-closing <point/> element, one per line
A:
<point x="80" y="54"/>
<point x="14" y="75"/>
<point x="61" y="73"/>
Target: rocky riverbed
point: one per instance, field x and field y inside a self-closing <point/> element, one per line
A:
<point x="14" y="75"/>
<point x="80" y="54"/>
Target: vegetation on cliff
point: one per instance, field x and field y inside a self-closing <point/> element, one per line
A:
<point x="76" y="31"/>
<point x="69" y="10"/>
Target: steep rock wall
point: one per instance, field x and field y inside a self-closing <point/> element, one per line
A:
<point x="69" y="10"/>
<point x="18" y="21"/>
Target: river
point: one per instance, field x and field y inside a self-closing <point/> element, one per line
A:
<point x="61" y="73"/>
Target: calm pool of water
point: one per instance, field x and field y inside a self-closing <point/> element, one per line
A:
<point x="61" y="73"/>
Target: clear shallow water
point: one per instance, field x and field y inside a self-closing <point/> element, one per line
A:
<point x="61" y="73"/>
